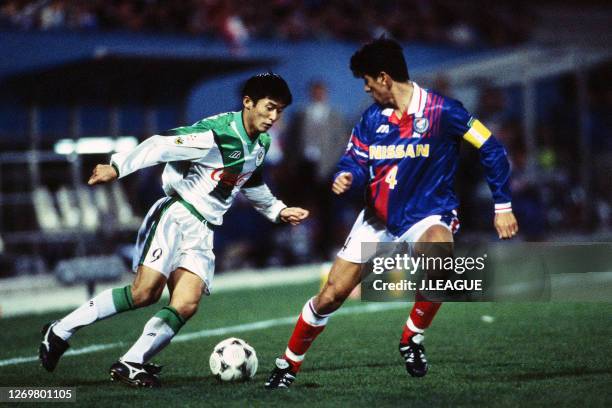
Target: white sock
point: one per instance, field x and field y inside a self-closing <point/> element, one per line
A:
<point x="156" y="335"/>
<point x="98" y="308"/>
<point x="312" y="317"/>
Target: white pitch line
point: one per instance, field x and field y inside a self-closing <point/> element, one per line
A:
<point x="260" y="325"/>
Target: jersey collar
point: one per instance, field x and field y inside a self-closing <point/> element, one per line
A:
<point x="416" y="105"/>
<point x="241" y="130"/>
<point x="248" y="142"/>
<point x="417" y="101"/>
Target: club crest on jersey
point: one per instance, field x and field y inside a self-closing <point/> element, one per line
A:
<point x="179" y="141"/>
<point x="260" y="157"/>
<point x="421" y="125"/>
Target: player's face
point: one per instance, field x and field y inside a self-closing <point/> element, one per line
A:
<point x="378" y="89"/>
<point x="259" y="117"/>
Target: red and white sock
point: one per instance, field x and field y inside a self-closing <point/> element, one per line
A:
<point x="309" y="325"/>
<point x="420" y="318"/>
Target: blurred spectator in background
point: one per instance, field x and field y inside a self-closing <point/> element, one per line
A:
<point x="550" y="195"/>
<point x="318" y="135"/>
<point x="53" y="15"/>
<point x="317" y="138"/>
<point x="442" y="86"/>
<point x="457" y="23"/>
<point x="225" y="19"/>
<point x="493" y="109"/>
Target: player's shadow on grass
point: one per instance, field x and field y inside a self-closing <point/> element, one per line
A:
<point x="104" y="382"/>
<point x="206" y="380"/>
<point x="397" y="363"/>
<point x="209" y="380"/>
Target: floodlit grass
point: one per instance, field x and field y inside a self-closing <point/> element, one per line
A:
<point x="532" y="354"/>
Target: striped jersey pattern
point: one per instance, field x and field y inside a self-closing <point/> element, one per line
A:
<point x="408" y="164"/>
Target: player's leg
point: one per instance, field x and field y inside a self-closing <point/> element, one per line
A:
<point x="187" y="289"/>
<point x="411" y="343"/>
<point x="189" y="256"/>
<point x="150" y="258"/>
<point x="343" y="278"/>
<point x="145" y="290"/>
<point x="423" y="311"/>
<point x="345" y="274"/>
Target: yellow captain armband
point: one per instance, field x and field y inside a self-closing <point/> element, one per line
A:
<point x="477" y="134"/>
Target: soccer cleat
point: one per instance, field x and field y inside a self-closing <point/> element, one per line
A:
<point x="51" y="347"/>
<point x="136" y="375"/>
<point x="414" y="357"/>
<point x="281" y="376"/>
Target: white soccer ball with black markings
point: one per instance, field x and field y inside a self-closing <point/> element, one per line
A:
<point x="233" y="359"/>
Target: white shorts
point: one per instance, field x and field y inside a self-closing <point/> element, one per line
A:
<point x="374" y="230"/>
<point x="172" y="237"/>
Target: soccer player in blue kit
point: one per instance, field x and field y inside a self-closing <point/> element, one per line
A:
<point x="404" y="151"/>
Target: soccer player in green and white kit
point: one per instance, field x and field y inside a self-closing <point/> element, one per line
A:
<point x="207" y="164"/>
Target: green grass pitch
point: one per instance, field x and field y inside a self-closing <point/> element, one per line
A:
<point x="532" y="354"/>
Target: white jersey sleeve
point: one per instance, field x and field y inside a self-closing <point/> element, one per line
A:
<point x="264" y="201"/>
<point x="162" y="149"/>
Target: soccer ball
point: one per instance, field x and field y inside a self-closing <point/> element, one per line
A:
<point x="233" y="360"/>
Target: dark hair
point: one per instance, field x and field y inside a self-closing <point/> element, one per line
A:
<point x="382" y="54"/>
<point x="267" y="85"/>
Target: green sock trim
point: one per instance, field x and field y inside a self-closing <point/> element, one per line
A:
<point x="171" y="317"/>
<point x="122" y="298"/>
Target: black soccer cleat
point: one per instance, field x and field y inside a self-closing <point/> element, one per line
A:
<point x="136" y="375"/>
<point x="51" y="347"/>
<point x="414" y="357"/>
<point x="281" y="376"/>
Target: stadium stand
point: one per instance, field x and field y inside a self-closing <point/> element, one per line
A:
<point x="461" y="23"/>
<point x="176" y="57"/>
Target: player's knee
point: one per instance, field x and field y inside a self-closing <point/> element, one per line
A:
<point x="436" y="233"/>
<point x="330" y="299"/>
<point x="145" y="296"/>
<point x="185" y="309"/>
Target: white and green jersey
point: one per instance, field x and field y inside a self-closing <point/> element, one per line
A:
<point x="207" y="164"/>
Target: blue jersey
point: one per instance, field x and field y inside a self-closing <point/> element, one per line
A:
<point x="408" y="164"/>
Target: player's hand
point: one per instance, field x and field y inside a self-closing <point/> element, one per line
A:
<point x="102" y="173"/>
<point x="506" y="225"/>
<point x="342" y="183"/>
<point x="293" y="215"/>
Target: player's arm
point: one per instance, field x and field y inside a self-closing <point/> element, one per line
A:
<point x="353" y="166"/>
<point x="494" y="160"/>
<point x="180" y="144"/>
<point x="262" y="199"/>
